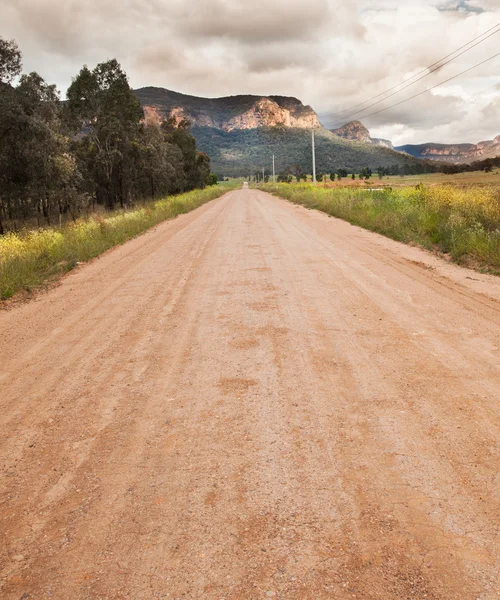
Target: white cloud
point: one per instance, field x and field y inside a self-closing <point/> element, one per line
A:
<point x="331" y="54"/>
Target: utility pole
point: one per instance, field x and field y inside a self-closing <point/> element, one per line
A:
<point x="274" y="173"/>
<point x="314" y="159"/>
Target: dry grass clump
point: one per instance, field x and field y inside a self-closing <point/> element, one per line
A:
<point x="30" y="258"/>
<point x="461" y="222"/>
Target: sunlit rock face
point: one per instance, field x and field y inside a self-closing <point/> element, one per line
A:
<point x="228" y="114"/>
<point x="454" y="153"/>
<point x="268" y="112"/>
<point x="354" y="131"/>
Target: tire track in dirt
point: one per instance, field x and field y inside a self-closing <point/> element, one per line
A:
<point x="252" y="401"/>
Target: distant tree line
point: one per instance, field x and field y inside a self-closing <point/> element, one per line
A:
<point x="487" y="165"/>
<point x="60" y="158"/>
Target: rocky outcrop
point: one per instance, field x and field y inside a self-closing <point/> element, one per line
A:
<point x="353" y="131"/>
<point x="153" y="115"/>
<point x="227" y="114"/>
<point x="454" y="153"/>
<point x="268" y="113"/>
<point x="383" y="143"/>
<point x="240" y="113"/>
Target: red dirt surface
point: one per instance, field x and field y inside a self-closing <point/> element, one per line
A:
<point x="253" y="401"/>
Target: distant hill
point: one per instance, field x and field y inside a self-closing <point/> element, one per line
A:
<point x="241" y="152"/>
<point x="232" y="112"/>
<point x="240" y="133"/>
<point x="451" y="153"/>
<point x="357" y="132"/>
<point x="454" y="153"/>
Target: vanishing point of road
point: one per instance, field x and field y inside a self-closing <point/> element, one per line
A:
<point x="253" y="401"/>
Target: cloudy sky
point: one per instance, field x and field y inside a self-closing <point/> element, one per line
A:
<point x="332" y="54"/>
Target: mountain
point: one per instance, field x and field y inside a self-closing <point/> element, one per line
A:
<point x="454" y="153"/>
<point x="230" y="113"/>
<point x="451" y="153"/>
<point x="382" y="142"/>
<point x="357" y="132"/>
<point x="354" y="131"/>
<point x="241" y="152"/>
<point x="241" y="133"/>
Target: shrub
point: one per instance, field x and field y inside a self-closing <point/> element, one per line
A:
<point x="463" y="222"/>
<point x="30" y="258"/>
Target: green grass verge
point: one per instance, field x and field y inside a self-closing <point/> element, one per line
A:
<point x="29" y="259"/>
<point x="461" y="222"/>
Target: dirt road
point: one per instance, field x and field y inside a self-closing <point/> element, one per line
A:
<point x="253" y="401"/>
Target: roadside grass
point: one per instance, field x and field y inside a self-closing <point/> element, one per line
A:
<point x="29" y="259"/>
<point x="468" y="178"/>
<point x="465" y="179"/>
<point x="463" y="223"/>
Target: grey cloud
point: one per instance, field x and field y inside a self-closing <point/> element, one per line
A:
<point x="423" y="113"/>
<point x="161" y="58"/>
<point x="68" y="27"/>
<point x="491" y="112"/>
<point x="329" y="53"/>
<point x="54" y="27"/>
<point x="252" y="22"/>
<point x="281" y="56"/>
<point x="461" y="6"/>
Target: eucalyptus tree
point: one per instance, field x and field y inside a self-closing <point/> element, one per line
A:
<point x="102" y="105"/>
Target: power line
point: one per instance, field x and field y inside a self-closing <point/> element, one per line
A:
<point x="426" y="69"/>
<point x="416" y="80"/>
<point x="431" y="88"/>
<point x="430" y="70"/>
<point x="313" y="157"/>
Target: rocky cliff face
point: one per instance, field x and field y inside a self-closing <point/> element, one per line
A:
<point x="239" y="133"/>
<point x="357" y="132"/>
<point x="228" y="114"/>
<point x="353" y="131"/>
<point x="267" y="112"/>
<point x="454" y="153"/>
<point x="382" y="142"/>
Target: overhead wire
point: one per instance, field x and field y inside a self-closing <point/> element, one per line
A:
<point x="431" y="88"/>
<point x="424" y="73"/>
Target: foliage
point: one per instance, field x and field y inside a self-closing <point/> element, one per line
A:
<point x="10" y="60"/>
<point x="241" y="152"/>
<point x="30" y="258"/>
<point x="298" y="172"/>
<point x="244" y="151"/>
<point x="37" y="173"/>
<point x="102" y="104"/>
<point x="462" y="222"/>
<point x="57" y="159"/>
<point x="285" y="178"/>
